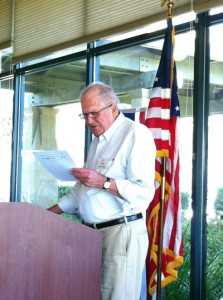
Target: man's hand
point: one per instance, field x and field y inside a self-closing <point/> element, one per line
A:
<point x="55" y="209"/>
<point x="89" y="177"/>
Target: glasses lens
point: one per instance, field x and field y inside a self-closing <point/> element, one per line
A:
<point x="93" y="114"/>
<point x="82" y="116"/>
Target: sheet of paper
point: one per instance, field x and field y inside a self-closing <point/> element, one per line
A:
<point x="58" y="163"/>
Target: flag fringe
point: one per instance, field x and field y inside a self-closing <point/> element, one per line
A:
<point x="170" y="269"/>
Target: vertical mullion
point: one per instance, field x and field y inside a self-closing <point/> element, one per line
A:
<point x="90" y="78"/>
<point x="200" y="148"/>
<point x="18" y="112"/>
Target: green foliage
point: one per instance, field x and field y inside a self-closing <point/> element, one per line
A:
<point x="218" y="204"/>
<point x="184" y="196"/>
<point x="64" y="190"/>
<point x="214" y="265"/>
<point x="180" y="288"/>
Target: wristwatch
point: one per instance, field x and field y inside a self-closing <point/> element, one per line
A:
<point x="107" y="184"/>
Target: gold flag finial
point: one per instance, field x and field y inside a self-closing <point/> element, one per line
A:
<point x="170" y="5"/>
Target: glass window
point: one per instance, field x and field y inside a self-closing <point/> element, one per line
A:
<point x="188" y="17"/>
<point x="51" y="122"/>
<point x="214" y="265"/>
<point x="217" y="10"/>
<point x="131" y="72"/>
<point x="6" y="100"/>
<point x="57" y="54"/>
<point x="5" y="60"/>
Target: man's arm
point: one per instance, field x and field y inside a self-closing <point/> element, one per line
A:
<point x="92" y="178"/>
<point x="113" y="188"/>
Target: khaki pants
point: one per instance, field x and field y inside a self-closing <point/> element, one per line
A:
<point x="123" y="259"/>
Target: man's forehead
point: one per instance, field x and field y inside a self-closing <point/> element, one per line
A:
<point x="91" y="98"/>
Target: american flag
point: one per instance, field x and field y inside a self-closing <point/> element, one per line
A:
<point x="162" y="117"/>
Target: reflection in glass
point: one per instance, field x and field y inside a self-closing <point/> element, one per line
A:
<point x="6" y="100"/>
<point x="5" y="60"/>
<point x="51" y="122"/>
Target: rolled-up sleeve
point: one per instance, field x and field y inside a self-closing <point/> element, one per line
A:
<point x="139" y="185"/>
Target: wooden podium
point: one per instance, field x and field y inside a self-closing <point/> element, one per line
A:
<point x="44" y="256"/>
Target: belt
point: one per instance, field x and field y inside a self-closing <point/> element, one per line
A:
<point x="114" y="222"/>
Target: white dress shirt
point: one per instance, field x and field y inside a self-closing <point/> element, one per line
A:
<point x="125" y="152"/>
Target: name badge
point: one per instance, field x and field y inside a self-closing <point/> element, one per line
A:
<point x="102" y="163"/>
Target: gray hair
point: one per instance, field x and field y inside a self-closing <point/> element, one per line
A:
<point x="106" y="92"/>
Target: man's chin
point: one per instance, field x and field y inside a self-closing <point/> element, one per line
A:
<point x="95" y="132"/>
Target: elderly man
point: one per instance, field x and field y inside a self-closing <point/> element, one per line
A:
<point x="114" y="189"/>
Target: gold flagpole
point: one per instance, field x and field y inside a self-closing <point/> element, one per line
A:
<point x="160" y="246"/>
<point x="162" y="198"/>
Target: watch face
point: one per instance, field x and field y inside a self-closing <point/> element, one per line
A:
<point x="107" y="185"/>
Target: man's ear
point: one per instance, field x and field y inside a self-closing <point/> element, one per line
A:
<point x="114" y="109"/>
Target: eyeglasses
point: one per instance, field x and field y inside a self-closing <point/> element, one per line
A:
<point x="93" y="114"/>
